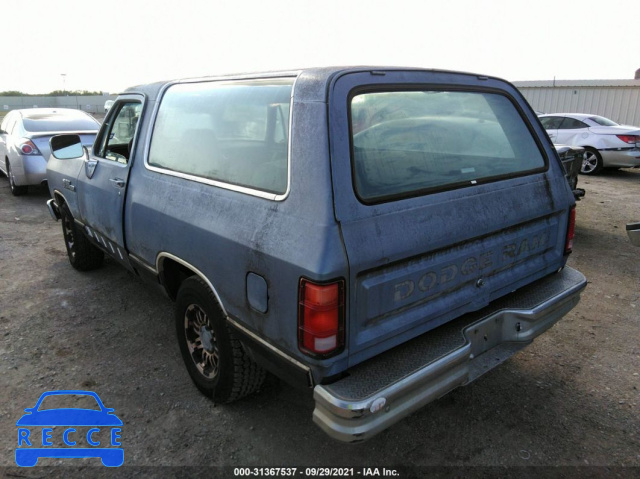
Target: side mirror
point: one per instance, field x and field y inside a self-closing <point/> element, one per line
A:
<point x="633" y="231"/>
<point x="66" y="147"/>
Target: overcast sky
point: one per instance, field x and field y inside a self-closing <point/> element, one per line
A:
<point x="109" y="45"/>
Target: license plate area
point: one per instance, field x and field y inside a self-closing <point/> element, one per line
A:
<point x="485" y="335"/>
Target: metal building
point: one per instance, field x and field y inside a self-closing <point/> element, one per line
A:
<point x="618" y="100"/>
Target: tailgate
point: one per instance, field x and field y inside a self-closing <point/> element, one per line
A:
<point x="471" y="250"/>
<point x="451" y="197"/>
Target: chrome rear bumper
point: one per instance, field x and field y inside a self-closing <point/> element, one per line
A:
<point x="385" y="389"/>
<point x="633" y="231"/>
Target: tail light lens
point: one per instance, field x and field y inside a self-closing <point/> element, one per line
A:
<point x="571" y="231"/>
<point x="631" y="139"/>
<point x="27" y="147"/>
<point x="321" y="312"/>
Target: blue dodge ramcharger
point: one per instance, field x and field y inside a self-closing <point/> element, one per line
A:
<point x="380" y="235"/>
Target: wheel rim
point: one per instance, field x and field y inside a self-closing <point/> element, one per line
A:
<point x="69" y="238"/>
<point x="201" y="341"/>
<point x="589" y="162"/>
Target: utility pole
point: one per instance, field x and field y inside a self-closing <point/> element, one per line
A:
<point x="64" y="86"/>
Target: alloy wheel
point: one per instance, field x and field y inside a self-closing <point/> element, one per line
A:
<point x="201" y="341"/>
<point x="589" y="162"/>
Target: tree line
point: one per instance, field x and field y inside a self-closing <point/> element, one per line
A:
<point x="53" y="93"/>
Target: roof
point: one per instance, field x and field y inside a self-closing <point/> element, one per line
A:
<point x="311" y="83"/>
<point x="577" y="83"/>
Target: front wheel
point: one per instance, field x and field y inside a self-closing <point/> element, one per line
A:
<point x="83" y="256"/>
<point x="591" y="162"/>
<point x="214" y="357"/>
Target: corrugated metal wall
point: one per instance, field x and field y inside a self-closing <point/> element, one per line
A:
<point x="620" y="104"/>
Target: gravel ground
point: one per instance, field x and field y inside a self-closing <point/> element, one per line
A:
<point x="566" y="406"/>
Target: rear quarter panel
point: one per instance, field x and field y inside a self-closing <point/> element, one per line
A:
<point x="227" y="234"/>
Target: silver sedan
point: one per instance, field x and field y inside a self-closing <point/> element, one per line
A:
<point x="24" y="141"/>
<point x="606" y="144"/>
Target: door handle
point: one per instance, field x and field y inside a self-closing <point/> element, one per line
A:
<point x="117" y="182"/>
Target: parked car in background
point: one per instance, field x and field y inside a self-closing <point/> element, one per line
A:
<point x="24" y="141"/>
<point x="606" y="144"/>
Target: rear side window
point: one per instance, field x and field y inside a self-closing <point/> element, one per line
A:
<point x="231" y="132"/>
<point x="407" y="143"/>
<point x="5" y="122"/>
<point x="10" y="124"/>
<point x="551" y="122"/>
<point x="572" y="124"/>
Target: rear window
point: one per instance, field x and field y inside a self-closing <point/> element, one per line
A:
<point x="59" y="122"/>
<point x="406" y="143"/>
<point x="600" y="120"/>
<point x="232" y="132"/>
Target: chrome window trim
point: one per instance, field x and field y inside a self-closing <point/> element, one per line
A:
<point x="217" y="183"/>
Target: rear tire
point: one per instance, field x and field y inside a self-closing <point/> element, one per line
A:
<point x="15" y="189"/>
<point x="592" y="162"/>
<point x="214" y="357"/>
<point x="83" y="255"/>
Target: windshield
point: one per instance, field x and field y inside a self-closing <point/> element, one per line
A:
<point x="407" y="143"/>
<point x="602" y="121"/>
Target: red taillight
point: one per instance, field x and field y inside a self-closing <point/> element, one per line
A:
<point x="28" y="148"/>
<point x="571" y="231"/>
<point x="631" y="139"/>
<point x="321" y="317"/>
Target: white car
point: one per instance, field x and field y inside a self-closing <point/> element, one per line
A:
<point x="24" y="141"/>
<point x="606" y="144"/>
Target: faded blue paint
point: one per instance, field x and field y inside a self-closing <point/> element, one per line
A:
<point x="410" y="265"/>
